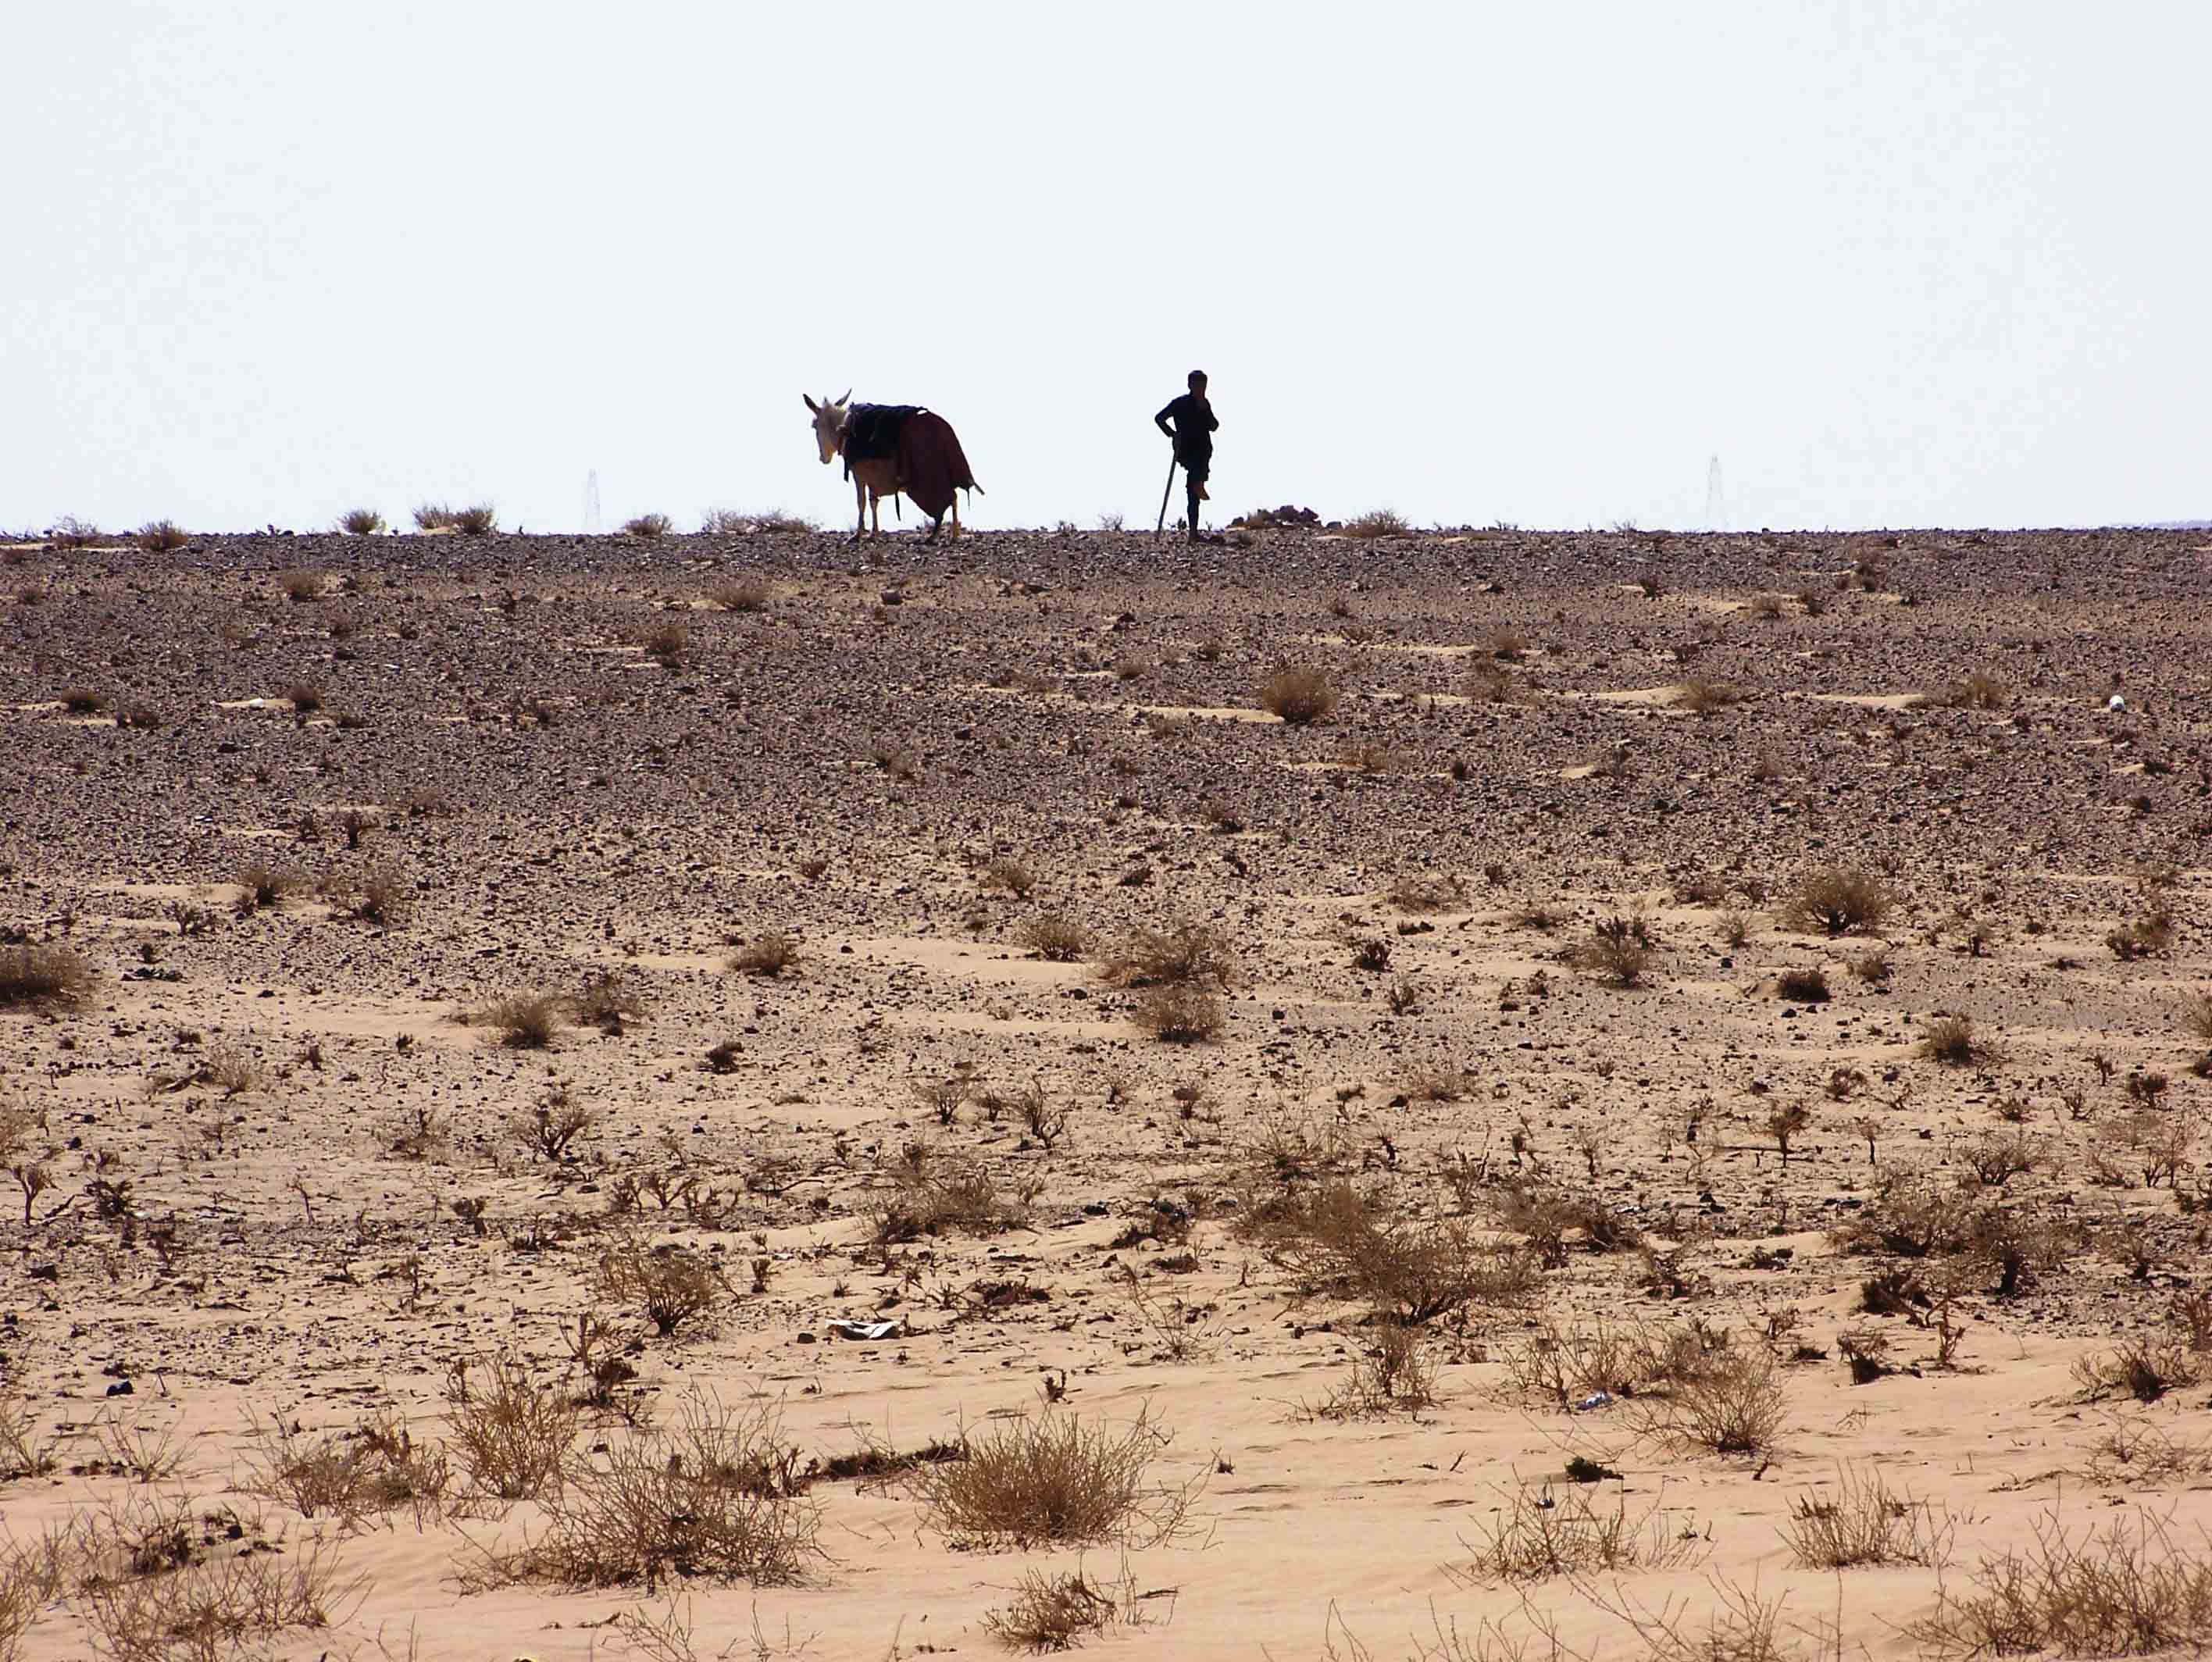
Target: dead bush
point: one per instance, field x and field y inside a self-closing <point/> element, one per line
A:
<point x="1055" y="939"/>
<point x="1950" y="1039"/>
<point x="1619" y="949"/>
<point x="1375" y="524"/>
<point x="2143" y="1368"/>
<point x="523" y="1021"/>
<point x="1391" y="1372"/>
<point x="83" y="701"/>
<point x="1058" y="1480"/>
<point x="350" y="1475"/>
<point x="435" y="516"/>
<point x="1179" y="951"/>
<point x="260" y="885"/>
<point x="1179" y="1015"/>
<point x="220" y="1602"/>
<point x="607" y="1001"/>
<point x="1704" y="698"/>
<point x="928" y="1196"/>
<point x="1978" y="689"/>
<point x="647" y="525"/>
<point x="380" y="895"/>
<point x="1298" y="695"/>
<point x="740" y="594"/>
<point x="475" y="520"/>
<point x="765" y="955"/>
<point x="1335" y="1237"/>
<point x="1052" y="1610"/>
<point x="2146" y="936"/>
<point x="44" y="976"/>
<point x="550" y="1123"/>
<point x="1414" y="892"/>
<point x="160" y="536"/>
<point x="361" y="522"/>
<point x="1539" y="1533"/>
<point x="1733" y="1406"/>
<point x="1838" y="900"/>
<point x="1564" y="1367"/>
<point x="2127" y="1589"/>
<point x="510" y="1435"/>
<point x="718" y="1494"/>
<point x="1803" y="986"/>
<point x="671" y="1285"/>
<point x="1012" y="875"/>
<point x="1864" y="1522"/>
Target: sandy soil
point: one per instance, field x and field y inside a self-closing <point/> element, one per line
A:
<point x="556" y="801"/>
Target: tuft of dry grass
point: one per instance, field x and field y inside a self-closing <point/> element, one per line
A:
<point x="1055" y="939"/>
<point x="509" y="1434"/>
<point x="435" y="516"/>
<point x="719" y="1494"/>
<point x="1179" y="1014"/>
<point x="727" y="522"/>
<point x="1803" y="986"/>
<point x="1057" y="1479"/>
<point x="44" y="976"/>
<point x="1539" y="1533"/>
<point x="1864" y="1522"/>
<point x="1704" y="698"/>
<point x="301" y="587"/>
<point x="361" y="522"/>
<point x="765" y="955"/>
<point x="160" y="536"/>
<point x="1978" y="689"/>
<point x="380" y="896"/>
<point x="2128" y="1589"/>
<point x="647" y="525"/>
<point x="1839" y="899"/>
<point x="1950" y="1039"/>
<point x="523" y="1021"/>
<point x="475" y="520"/>
<point x="1733" y="1405"/>
<point x="929" y="1197"/>
<point x="1619" y="949"/>
<point x="351" y="1476"/>
<point x="671" y="1285"/>
<point x="1298" y="695"/>
<point x="740" y="594"/>
<point x="1052" y="1610"/>
<point x="2143" y="1368"/>
<point x="1179" y="951"/>
<point x="606" y="1002"/>
<point x="82" y="700"/>
<point x="1377" y="523"/>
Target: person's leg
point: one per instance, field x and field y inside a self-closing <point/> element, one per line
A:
<point x="1197" y="491"/>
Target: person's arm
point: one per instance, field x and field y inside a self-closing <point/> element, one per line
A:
<point x="1212" y="422"/>
<point x="1160" y="420"/>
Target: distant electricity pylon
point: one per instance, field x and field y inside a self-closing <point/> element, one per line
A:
<point x="1716" y="505"/>
<point x="591" y="502"/>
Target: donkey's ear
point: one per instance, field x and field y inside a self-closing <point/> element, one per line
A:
<point x="812" y="405"/>
<point x="847" y="398"/>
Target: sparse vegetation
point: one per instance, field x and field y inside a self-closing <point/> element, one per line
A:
<point x="48" y="976"/>
<point x="1056" y="1479"/>
<point x="1055" y="939"/>
<point x="647" y="525"/>
<point x="361" y="522"/>
<point x="1377" y="523"/>
<point x="1619" y="949"/>
<point x="160" y="536"/>
<point x="477" y="520"/>
<point x="765" y="955"/>
<point x="1179" y="1014"/>
<point x="740" y="594"/>
<point x="523" y="1021"/>
<point x="1298" y="695"/>
<point x="1838" y="899"/>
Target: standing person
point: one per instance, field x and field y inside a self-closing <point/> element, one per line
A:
<point x="1193" y="434"/>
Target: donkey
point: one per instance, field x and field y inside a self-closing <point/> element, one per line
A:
<point x="891" y="449"/>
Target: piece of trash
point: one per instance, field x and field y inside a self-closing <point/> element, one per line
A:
<point x="2116" y="702"/>
<point x="866" y="1330"/>
<point x="1596" y="1399"/>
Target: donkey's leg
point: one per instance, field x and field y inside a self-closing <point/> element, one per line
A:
<point x="956" y="516"/>
<point x="860" y="509"/>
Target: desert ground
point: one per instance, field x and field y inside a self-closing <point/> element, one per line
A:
<point x="751" y="1095"/>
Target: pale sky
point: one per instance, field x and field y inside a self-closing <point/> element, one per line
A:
<point x="1894" y="264"/>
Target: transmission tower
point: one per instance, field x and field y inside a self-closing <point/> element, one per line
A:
<point x="1715" y="505"/>
<point x="592" y="501"/>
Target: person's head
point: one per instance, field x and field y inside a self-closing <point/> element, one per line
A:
<point x="1196" y="382"/>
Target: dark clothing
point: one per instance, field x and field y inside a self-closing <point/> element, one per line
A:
<point x="931" y="463"/>
<point x="1192" y="432"/>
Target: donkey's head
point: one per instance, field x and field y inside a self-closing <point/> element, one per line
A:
<point x="829" y="423"/>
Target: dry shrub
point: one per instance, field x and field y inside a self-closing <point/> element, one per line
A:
<point x="1052" y="1610"/>
<point x="160" y="536"/>
<point x="1012" y="875"/>
<point x="1055" y="939"/>
<point x="1440" y="1085"/>
<point x="351" y="1476"/>
<point x="380" y="896"/>
<point x="524" y="1020"/>
<point x="928" y="1196"/>
<point x="2143" y="1368"/>
<point x="1873" y="967"/>
<point x="1864" y="1522"/>
<point x="1950" y="1039"/>
<point x="2145" y="936"/>
<point x="2127" y="1589"/>
<point x="607" y="1001"/>
<point x="665" y="644"/>
<point x="1538" y="1534"/>
<point x="475" y="521"/>
<point x="218" y="1602"/>
<point x="550" y="1123"/>
<point x="1704" y="698"/>
<point x="435" y="516"/>
<point x="1298" y="695"/>
<point x="1546" y="1218"/>
<point x="1839" y="899"/>
<point x="1803" y="986"/>
<point x="23" y="1452"/>
<point x="1334" y="1237"/>
<point x="44" y="976"/>
<point x="1978" y="689"/>
<point x="1179" y="952"/>
<point x="83" y="701"/>
<point x="717" y="1495"/>
<point x="2196" y="1014"/>
<point x="1732" y="1405"/>
<point x="895" y="759"/>
<point x="1619" y="949"/>
<point x="727" y="522"/>
<point x="1179" y="1014"/>
<point x="740" y="594"/>
<point x="509" y="1434"/>
<point x="1377" y="523"/>
<point x="1414" y="893"/>
<point x="1390" y="1372"/>
<point x="647" y="525"/>
<point x="305" y="698"/>
<point x="1562" y="1367"/>
<point x="260" y="884"/>
<point x="361" y="522"/>
<point x="671" y="1285"/>
<point x="1057" y="1479"/>
<point x="765" y="955"/>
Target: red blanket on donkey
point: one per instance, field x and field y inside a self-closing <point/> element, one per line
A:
<point x="930" y="466"/>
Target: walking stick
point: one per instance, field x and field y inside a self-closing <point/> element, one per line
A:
<point x="1166" y="493"/>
